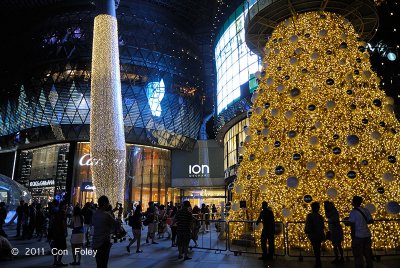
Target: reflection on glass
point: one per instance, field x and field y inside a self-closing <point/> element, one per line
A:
<point x="232" y="140"/>
<point x="235" y="63"/>
<point x="148" y="175"/>
<point x="206" y="196"/>
<point x="155" y="93"/>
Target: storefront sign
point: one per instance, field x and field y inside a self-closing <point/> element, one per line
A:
<point x="199" y="171"/>
<point x="42" y="183"/>
<point x="87" y="187"/>
<point x="87" y="160"/>
<point x="202" y="167"/>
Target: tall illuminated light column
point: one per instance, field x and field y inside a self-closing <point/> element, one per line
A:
<point x="107" y="138"/>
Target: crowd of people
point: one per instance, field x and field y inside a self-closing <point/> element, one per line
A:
<point x="96" y="224"/>
<point x="165" y="220"/>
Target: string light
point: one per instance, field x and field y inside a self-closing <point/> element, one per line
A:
<point x="107" y="140"/>
<point x="320" y="129"/>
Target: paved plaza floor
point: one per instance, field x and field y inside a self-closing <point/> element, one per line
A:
<point x="162" y="255"/>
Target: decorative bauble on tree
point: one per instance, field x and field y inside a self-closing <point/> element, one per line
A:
<point x="329" y="135"/>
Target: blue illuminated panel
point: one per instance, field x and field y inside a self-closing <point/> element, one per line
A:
<point x="155" y="93"/>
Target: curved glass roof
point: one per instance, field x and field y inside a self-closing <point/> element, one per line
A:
<point x="11" y="192"/>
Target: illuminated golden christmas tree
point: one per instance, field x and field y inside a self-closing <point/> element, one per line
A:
<point x="320" y="129"/>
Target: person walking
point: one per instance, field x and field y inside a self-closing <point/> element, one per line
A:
<point x="268" y="231"/>
<point x="40" y="222"/>
<point x="152" y="220"/>
<point x="173" y="225"/>
<point x="335" y="230"/>
<point x="78" y="234"/>
<point x="59" y="232"/>
<point x="20" y="213"/>
<point x="162" y="222"/>
<point x="87" y="213"/>
<point x="315" y="231"/>
<point x="214" y="211"/>
<point x="103" y="225"/>
<point x="361" y="242"/>
<point x="205" y="216"/>
<point x="195" y="225"/>
<point x="135" y="221"/>
<point x="25" y="222"/>
<point x="183" y="220"/>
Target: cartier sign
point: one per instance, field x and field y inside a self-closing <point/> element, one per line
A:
<point x="87" y="187"/>
<point x="87" y="160"/>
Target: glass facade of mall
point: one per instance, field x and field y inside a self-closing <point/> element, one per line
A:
<point x="198" y="196"/>
<point x="233" y="137"/>
<point x="235" y="63"/>
<point x="63" y="171"/>
<point x="43" y="171"/>
<point x="148" y="175"/>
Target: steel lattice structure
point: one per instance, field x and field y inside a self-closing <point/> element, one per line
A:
<point x="51" y="102"/>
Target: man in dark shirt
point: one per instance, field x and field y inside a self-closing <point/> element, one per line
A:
<point x="103" y="224"/>
<point x="268" y="231"/>
<point x="58" y="232"/>
<point x="315" y="231"/>
<point x="87" y="213"/>
<point x="135" y="221"/>
<point x="183" y="219"/>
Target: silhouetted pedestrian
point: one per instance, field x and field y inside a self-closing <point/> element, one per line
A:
<point x="20" y="212"/>
<point x="173" y="226"/>
<point x="103" y="225"/>
<point x="268" y="231"/>
<point x="78" y="235"/>
<point x="59" y="233"/>
<point x="315" y="231"/>
<point x="184" y="219"/>
<point x="361" y="242"/>
<point x="335" y="230"/>
<point x="135" y="221"/>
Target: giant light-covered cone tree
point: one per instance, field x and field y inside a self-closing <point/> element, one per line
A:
<point x="320" y="129"/>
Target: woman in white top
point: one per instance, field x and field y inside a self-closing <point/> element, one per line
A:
<point x="77" y="236"/>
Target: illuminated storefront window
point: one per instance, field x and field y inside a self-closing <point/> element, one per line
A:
<point x="206" y="196"/>
<point x="233" y="137"/>
<point x="235" y="63"/>
<point x="148" y="175"/>
<point x="44" y="171"/>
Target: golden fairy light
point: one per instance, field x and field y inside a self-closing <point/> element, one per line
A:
<point x="320" y="129"/>
<point x="107" y="140"/>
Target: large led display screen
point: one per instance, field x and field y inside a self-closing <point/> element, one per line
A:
<point x="235" y="63"/>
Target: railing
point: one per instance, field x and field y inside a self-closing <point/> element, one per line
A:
<point x="246" y="242"/>
<point x="298" y="245"/>
<point x="211" y="234"/>
<point x="290" y="239"/>
<point x="382" y="236"/>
